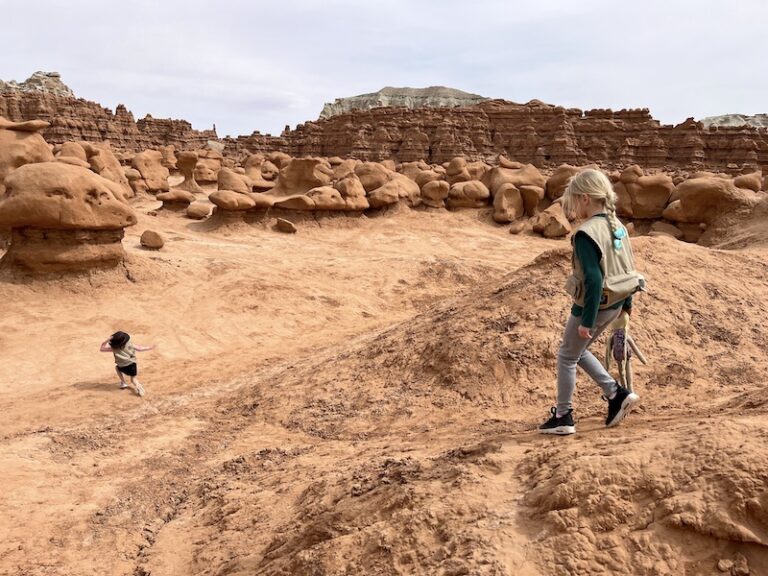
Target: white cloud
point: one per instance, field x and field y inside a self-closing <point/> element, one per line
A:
<point x="260" y="65"/>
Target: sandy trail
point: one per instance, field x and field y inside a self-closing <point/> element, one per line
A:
<point x="362" y="400"/>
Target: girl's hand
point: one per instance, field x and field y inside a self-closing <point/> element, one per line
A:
<point x="585" y="332"/>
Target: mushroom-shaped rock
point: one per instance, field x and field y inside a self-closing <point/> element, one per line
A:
<point x="176" y="200"/>
<point x="150" y="165"/>
<point x="232" y="201"/>
<point x="469" y="194"/>
<point x="152" y="240"/>
<point x="198" y="211"/>
<point x="230" y="180"/>
<point x="508" y="204"/>
<point x="21" y="143"/>
<point x="186" y="162"/>
<point x="552" y="223"/>
<point x="434" y="193"/>
<point x="301" y="175"/>
<point x="63" y="218"/>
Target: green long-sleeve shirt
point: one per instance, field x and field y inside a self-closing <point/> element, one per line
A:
<point x="589" y="255"/>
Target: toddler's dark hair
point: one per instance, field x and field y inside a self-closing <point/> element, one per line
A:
<point x="118" y="340"/>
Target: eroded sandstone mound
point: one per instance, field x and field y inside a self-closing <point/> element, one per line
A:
<point x="63" y="218"/>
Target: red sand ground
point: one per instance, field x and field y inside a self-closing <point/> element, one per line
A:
<point x="363" y="399"/>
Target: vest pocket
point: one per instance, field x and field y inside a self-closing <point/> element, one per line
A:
<point x="573" y="287"/>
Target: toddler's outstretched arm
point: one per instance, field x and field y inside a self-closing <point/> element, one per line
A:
<point x="105" y="347"/>
<point x="143" y="348"/>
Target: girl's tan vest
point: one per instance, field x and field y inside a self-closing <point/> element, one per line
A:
<point x="620" y="279"/>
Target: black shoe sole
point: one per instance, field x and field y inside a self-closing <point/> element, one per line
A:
<point x="626" y="407"/>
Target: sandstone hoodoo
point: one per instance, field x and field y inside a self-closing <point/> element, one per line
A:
<point x="186" y="163"/>
<point x="62" y="218"/>
<point x="176" y="200"/>
<point x="154" y="176"/>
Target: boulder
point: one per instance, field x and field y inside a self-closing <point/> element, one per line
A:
<point x="426" y="176"/>
<point x="552" y="223"/>
<point x="457" y="171"/>
<point x="666" y="229"/>
<point x="399" y="188"/>
<point x="372" y="175"/>
<point x="751" y="181"/>
<point x="469" y="194"/>
<point x="647" y="196"/>
<point x="198" y="211"/>
<point x="517" y="227"/>
<point x="232" y="201"/>
<point x="508" y="204"/>
<point x="434" y="193"/>
<point x="169" y="156"/>
<point x="283" y="225"/>
<point x="707" y="198"/>
<point x="150" y="166"/>
<point x="72" y="150"/>
<point x="151" y="240"/>
<point x="532" y="197"/>
<point x="209" y="162"/>
<point x="556" y="184"/>
<point x="279" y="159"/>
<point x="527" y="175"/>
<point x="104" y="162"/>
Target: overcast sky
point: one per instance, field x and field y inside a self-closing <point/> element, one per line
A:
<point x="259" y="65"/>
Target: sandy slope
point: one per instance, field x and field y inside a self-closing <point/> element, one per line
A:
<point x="362" y="400"/>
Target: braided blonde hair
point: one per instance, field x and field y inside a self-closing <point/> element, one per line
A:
<point x="596" y="185"/>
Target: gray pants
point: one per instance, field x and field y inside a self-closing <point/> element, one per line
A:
<point x="573" y="351"/>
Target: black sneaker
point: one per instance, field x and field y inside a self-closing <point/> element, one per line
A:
<point x="562" y="425"/>
<point x="620" y="406"/>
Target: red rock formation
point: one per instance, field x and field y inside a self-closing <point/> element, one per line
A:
<point x="78" y="119"/>
<point x="537" y="133"/>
